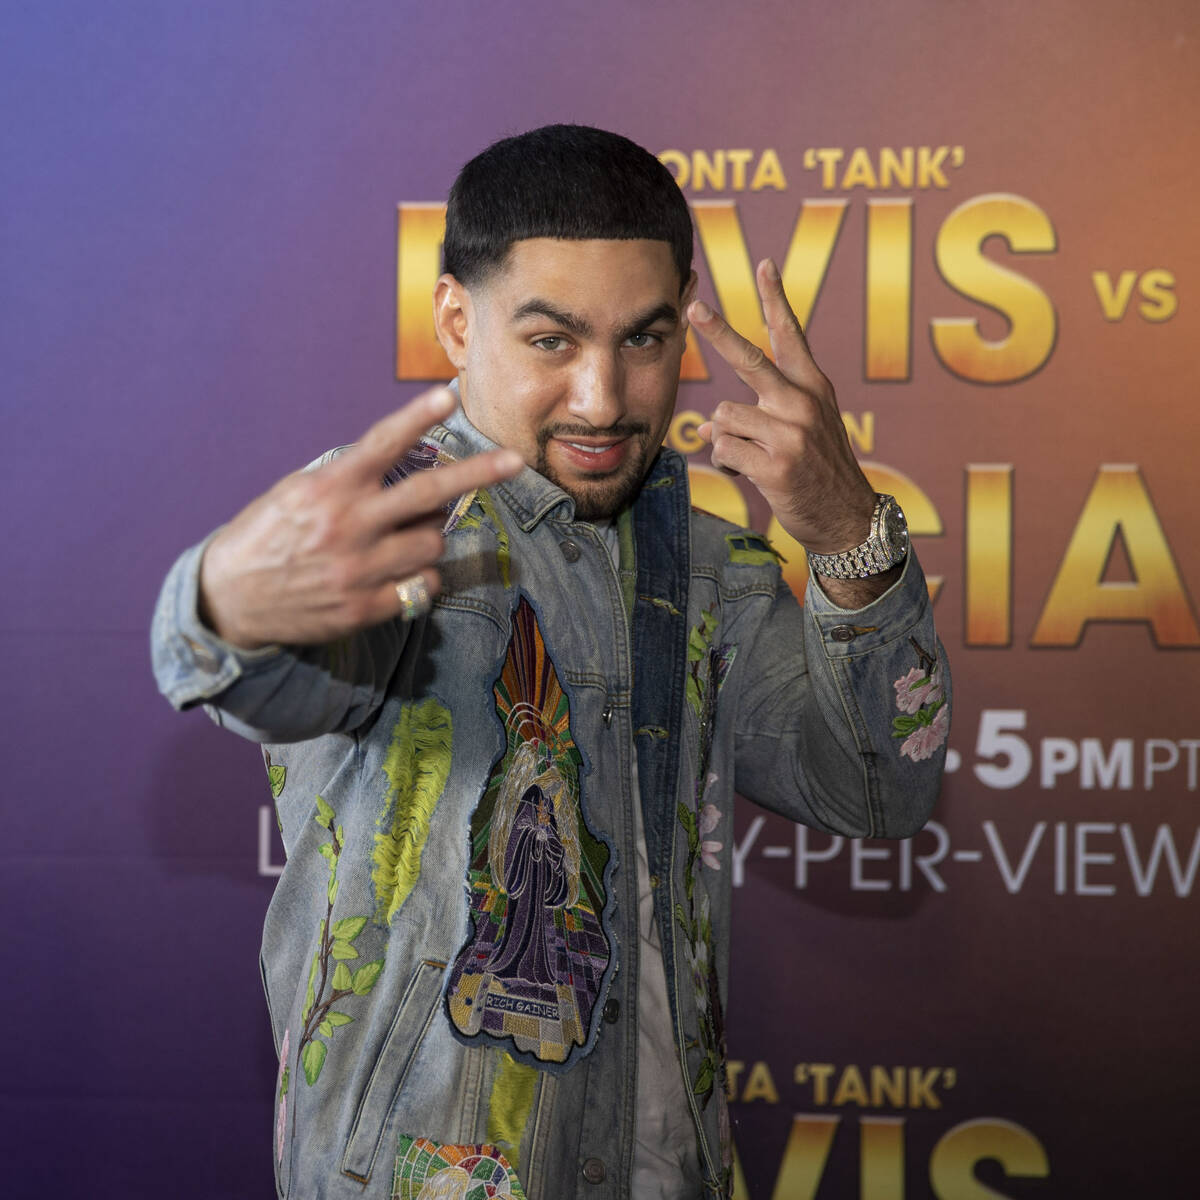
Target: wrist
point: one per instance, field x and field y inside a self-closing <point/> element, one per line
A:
<point x="884" y="547"/>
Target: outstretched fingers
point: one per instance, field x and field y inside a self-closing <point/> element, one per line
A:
<point x="788" y="343"/>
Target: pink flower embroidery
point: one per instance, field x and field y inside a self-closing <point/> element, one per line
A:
<point x="281" y="1091"/>
<point x="916" y="689"/>
<point x="923" y="741"/>
<point x="710" y="818"/>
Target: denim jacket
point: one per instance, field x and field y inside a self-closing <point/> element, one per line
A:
<point x="450" y="955"/>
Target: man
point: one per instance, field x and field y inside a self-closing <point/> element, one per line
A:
<point x="496" y="956"/>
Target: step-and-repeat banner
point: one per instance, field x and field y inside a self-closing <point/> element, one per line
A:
<point x="222" y="225"/>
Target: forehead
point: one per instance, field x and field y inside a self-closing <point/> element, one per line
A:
<point x="597" y="276"/>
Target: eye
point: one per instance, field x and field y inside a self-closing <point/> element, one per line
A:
<point x="643" y="340"/>
<point x="551" y="342"/>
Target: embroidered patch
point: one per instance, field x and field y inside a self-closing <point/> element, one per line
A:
<point x="281" y="1087"/>
<point x="511" y="1102"/>
<point x="428" y="1170"/>
<point x="417" y="766"/>
<point x="925" y="722"/>
<point x="474" y="520"/>
<point x="533" y="965"/>
<point x="335" y="946"/>
<point x="708" y="666"/>
<point x="427" y="455"/>
<point x="751" y="549"/>
<point x="276" y="775"/>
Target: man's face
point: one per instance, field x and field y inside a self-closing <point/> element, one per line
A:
<point x="569" y="354"/>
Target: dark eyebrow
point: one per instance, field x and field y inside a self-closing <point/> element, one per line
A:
<point x="560" y="316"/>
<point x="660" y="312"/>
<point x="576" y="324"/>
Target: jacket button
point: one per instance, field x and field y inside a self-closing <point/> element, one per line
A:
<point x="842" y="633"/>
<point x="570" y="550"/>
<point x="612" y="1010"/>
<point x="593" y="1171"/>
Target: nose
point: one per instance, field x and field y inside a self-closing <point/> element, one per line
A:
<point x="597" y="391"/>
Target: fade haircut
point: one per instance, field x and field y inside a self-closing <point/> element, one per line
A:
<point x="561" y="181"/>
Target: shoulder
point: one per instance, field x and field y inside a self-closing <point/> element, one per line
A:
<point x="738" y="557"/>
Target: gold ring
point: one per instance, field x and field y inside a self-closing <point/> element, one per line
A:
<point x="414" y="597"/>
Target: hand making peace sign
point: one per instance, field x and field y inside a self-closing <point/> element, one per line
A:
<point x="328" y="552"/>
<point x="792" y="444"/>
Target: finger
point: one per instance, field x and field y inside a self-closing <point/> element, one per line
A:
<point x="749" y="362"/>
<point x="384" y="444"/>
<point x="426" y="492"/>
<point x="758" y="424"/>
<point x="400" y="554"/>
<point x="788" y="343"/>
<point x="739" y="456"/>
<point x="404" y="599"/>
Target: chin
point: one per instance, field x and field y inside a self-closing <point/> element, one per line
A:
<point x="602" y="498"/>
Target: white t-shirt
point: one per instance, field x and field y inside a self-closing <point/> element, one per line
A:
<point x="665" y="1165"/>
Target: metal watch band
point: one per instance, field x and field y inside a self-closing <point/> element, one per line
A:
<point x="886" y="546"/>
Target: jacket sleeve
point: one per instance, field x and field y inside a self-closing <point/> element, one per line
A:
<point x="277" y="693"/>
<point x="843" y="714"/>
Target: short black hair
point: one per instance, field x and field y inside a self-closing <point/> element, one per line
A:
<point x="561" y="181"/>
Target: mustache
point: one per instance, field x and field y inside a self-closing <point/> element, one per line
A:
<point x="565" y="429"/>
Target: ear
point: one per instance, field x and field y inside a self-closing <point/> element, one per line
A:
<point x="452" y="316"/>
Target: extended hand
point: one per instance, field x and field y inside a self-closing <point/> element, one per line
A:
<point x="792" y="444"/>
<point x="320" y="554"/>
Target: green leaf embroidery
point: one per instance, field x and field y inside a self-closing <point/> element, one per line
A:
<point x="276" y="777"/>
<point x="326" y="851"/>
<point x="705" y="1076"/>
<point x="324" y="816"/>
<point x="326" y="1028"/>
<point x="417" y="766"/>
<point x="337" y="1018"/>
<point x="341" y="950"/>
<point x="312" y="978"/>
<point x="347" y="929"/>
<point x="313" y="1059"/>
<point x="333" y="889"/>
<point x="285" y="1081"/>
<point x="341" y="980"/>
<point x="364" y="977"/>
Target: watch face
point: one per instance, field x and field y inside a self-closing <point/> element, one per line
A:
<point x="895" y="530"/>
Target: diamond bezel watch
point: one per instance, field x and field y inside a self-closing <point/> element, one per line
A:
<point x="886" y="546"/>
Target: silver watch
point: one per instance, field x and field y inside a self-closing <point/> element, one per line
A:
<point x="886" y="546"/>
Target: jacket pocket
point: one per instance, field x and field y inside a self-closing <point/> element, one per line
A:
<point x="413" y="1015"/>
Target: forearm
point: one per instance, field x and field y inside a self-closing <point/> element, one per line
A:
<point x="826" y="736"/>
<point x="274" y="693"/>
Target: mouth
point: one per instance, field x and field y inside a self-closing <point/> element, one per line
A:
<point x="592" y="455"/>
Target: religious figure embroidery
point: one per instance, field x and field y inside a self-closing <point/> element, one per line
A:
<point x="538" y="955"/>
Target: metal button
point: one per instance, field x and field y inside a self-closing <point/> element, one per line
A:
<point x="612" y="1010"/>
<point x="606" y="715"/>
<point x="570" y="550"/>
<point x="842" y="633"/>
<point x="593" y="1171"/>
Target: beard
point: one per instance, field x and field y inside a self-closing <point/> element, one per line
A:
<point x="603" y="494"/>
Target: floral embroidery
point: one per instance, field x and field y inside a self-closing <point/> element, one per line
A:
<point x="707" y="668"/>
<point x="429" y="1170"/>
<point x="920" y="697"/>
<point x="281" y="1088"/>
<point x="417" y="765"/>
<point x="533" y="966"/>
<point x="335" y="941"/>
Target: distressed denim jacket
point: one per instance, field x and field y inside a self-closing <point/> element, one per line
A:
<point x="450" y="955"/>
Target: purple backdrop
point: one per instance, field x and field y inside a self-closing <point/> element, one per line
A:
<point x="198" y="290"/>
